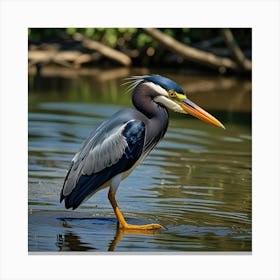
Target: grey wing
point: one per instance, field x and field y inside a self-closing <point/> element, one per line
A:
<point x="102" y="149"/>
<point x="105" y="147"/>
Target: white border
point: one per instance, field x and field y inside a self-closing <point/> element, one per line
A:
<point x="262" y="16"/>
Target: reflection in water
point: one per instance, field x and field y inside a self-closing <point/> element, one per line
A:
<point x="71" y="242"/>
<point x="121" y="232"/>
<point x="197" y="182"/>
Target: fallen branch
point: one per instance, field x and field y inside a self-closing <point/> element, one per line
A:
<point x="64" y="58"/>
<point x="104" y="50"/>
<point x="244" y="63"/>
<point x="192" y="54"/>
<point x="43" y="57"/>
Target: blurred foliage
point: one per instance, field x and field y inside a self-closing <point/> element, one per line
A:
<point x="140" y="47"/>
<point x="115" y="37"/>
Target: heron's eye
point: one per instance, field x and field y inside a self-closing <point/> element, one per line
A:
<point x="172" y="93"/>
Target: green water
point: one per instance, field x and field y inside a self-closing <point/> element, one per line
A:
<point x="197" y="182"/>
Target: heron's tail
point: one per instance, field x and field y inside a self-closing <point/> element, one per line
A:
<point x="84" y="189"/>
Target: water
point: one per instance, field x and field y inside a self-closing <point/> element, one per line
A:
<point x="196" y="183"/>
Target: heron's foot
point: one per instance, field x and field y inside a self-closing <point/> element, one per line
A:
<point x="127" y="226"/>
<point x="122" y="224"/>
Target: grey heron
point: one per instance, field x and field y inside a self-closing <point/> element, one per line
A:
<point x="119" y="144"/>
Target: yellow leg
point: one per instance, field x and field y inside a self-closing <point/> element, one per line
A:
<point x="122" y="223"/>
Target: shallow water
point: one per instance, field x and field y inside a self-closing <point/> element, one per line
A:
<point x="196" y="183"/>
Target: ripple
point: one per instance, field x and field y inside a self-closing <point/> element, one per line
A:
<point x="197" y="183"/>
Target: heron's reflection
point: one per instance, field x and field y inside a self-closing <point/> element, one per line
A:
<point x="70" y="240"/>
<point x="121" y="232"/>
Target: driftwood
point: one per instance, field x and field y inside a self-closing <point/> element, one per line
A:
<point x="68" y="59"/>
<point x="76" y="58"/>
<point x="72" y="73"/>
<point x="235" y="50"/>
<point x="104" y="50"/>
<point x="192" y="54"/>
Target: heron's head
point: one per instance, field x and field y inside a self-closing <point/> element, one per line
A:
<point x="169" y="94"/>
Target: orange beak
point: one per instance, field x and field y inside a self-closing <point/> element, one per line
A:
<point x="194" y="110"/>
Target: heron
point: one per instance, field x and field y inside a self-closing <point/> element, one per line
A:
<point x="119" y="144"/>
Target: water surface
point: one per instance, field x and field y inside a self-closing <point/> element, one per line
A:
<point x="197" y="182"/>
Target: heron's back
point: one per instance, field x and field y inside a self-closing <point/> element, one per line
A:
<point x="108" y="151"/>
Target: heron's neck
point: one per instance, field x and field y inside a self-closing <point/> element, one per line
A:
<point x="157" y="114"/>
<point x="142" y="99"/>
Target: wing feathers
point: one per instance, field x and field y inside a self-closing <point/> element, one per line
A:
<point x="105" y="154"/>
<point x="111" y="150"/>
